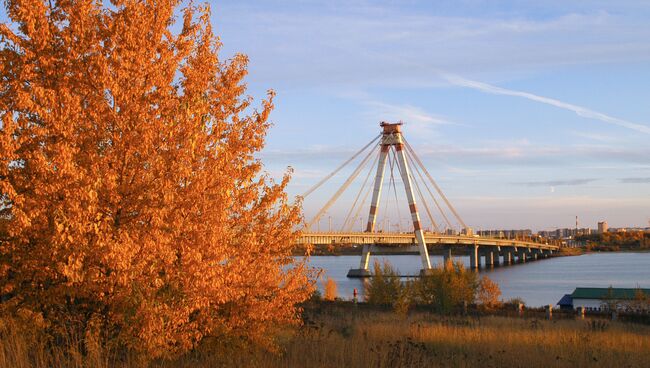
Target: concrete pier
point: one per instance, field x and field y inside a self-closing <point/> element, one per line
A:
<point x="507" y="257"/>
<point x="488" y="255"/>
<point x="447" y="254"/>
<point x="359" y="272"/>
<point x="521" y="255"/>
<point x="474" y="261"/>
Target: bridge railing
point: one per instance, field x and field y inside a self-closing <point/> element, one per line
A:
<point x="404" y="239"/>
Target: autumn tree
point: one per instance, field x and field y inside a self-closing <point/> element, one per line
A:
<point x="489" y="293"/>
<point x="131" y="195"/>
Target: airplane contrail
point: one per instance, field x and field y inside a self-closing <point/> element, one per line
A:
<point x="579" y="110"/>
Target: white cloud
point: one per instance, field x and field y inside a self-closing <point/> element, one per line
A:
<point x="408" y="113"/>
<point x="595" y="136"/>
<point x="556" y="183"/>
<point x="420" y="123"/>
<point x="493" y="152"/>
<point x="579" y="110"/>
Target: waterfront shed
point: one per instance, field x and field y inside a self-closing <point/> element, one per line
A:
<point x="605" y="298"/>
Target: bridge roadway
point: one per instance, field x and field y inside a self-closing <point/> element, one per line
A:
<point x="493" y="251"/>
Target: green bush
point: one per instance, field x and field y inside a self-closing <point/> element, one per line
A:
<point x="446" y="287"/>
<point x="385" y="286"/>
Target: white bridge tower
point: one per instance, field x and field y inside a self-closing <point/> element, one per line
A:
<point x="391" y="138"/>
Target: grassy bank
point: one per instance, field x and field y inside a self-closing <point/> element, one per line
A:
<point x="343" y="336"/>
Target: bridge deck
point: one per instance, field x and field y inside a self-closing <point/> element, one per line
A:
<point x="408" y="239"/>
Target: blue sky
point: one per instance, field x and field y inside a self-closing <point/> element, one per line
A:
<point x="528" y="113"/>
<point x="505" y="159"/>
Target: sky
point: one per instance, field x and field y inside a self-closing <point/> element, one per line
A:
<point x="527" y="113"/>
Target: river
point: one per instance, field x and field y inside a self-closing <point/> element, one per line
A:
<point x="537" y="283"/>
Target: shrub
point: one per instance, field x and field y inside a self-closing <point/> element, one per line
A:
<point x="405" y="298"/>
<point x="514" y="302"/>
<point x="446" y="287"/>
<point x="385" y="286"/>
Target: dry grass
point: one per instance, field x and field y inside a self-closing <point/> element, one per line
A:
<point x="346" y="337"/>
<point x="384" y="340"/>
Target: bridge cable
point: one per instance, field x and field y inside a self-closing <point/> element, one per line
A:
<point x="356" y="199"/>
<point x="341" y="189"/>
<point x="386" y="211"/>
<point x="410" y="225"/>
<point x="442" y="195"/>
<point x="322" y="181"/>
<point x="424" y="202"/>
<point x="417" y="170"/>
<point x="417" y="159"/>
<point x="392" y="178"/>
<point x="356" y="214"/>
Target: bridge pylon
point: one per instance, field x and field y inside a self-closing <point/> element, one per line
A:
<point x="391" y="139"/>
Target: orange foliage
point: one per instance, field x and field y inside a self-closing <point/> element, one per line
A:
<point x="488" y="293"/>
<point x="331" y="290"/>
<point x="130" y="190"/>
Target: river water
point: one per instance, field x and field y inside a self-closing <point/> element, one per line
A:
<point x="537" y="283"/>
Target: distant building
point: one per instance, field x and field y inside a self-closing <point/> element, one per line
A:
<point x="601" y="298"/>
<point x="602" y="227"/>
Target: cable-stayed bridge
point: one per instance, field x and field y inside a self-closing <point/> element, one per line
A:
<point x="391" y="150"/>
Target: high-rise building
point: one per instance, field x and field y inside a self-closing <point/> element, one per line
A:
<point x="602" y="227"/>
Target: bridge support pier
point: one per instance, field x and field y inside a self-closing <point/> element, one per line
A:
<point x="507" y="257"/>
<point x="359" y="272"/>
<point x="489" y="258"/>
<point x="536" y="254"/>
<point x="474" y="260"/>
<point x="392" y="138"/>
<point x="363" y="270"/>
<point x="447" y="254"/>
<point x="521" y="255"/>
